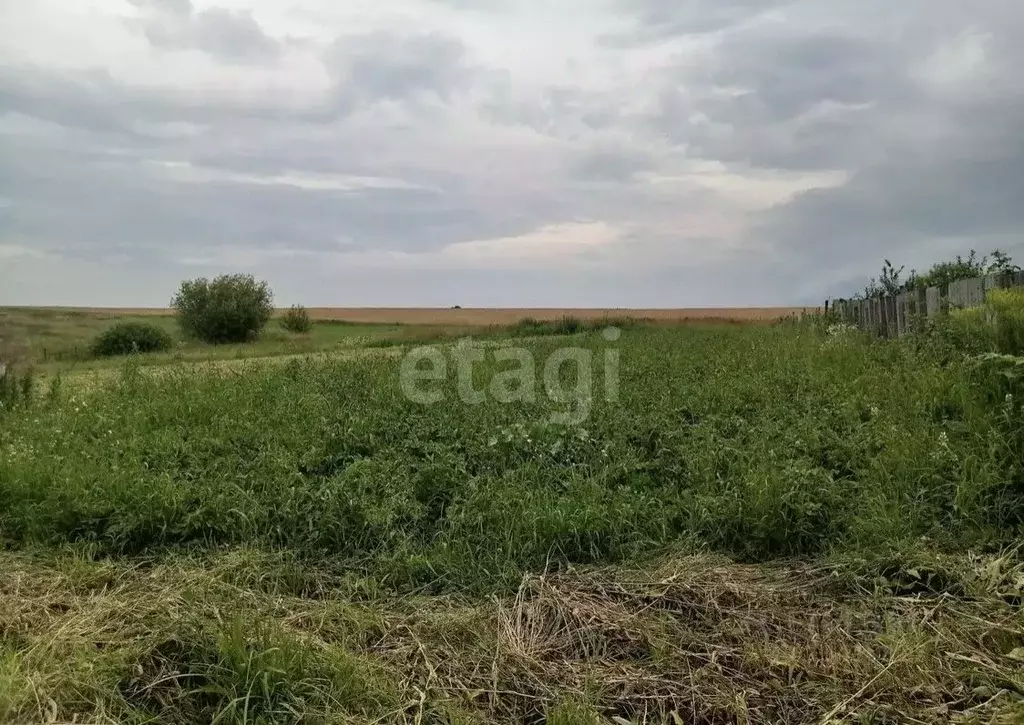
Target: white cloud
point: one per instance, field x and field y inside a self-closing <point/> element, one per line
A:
<point x="190" y="173"/>
<point x="10" y="252"/>
<point x="553" y="245"/>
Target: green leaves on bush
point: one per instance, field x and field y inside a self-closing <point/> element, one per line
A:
<point x="230" y="308"/>
<point x="15" y="389"/>
<point x="125" y="338"/>
<point x="997" y="326"/>
<point x="297" y="320"/>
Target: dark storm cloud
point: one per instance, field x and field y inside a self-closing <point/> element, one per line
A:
<point x="920" y="106"/>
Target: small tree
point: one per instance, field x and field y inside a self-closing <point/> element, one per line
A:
<point x="888" y="282"/>
<point x="230" y="308"/>
<point x="297" y="320"/>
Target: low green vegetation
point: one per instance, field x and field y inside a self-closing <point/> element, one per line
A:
<point x="568" y="325"/>
<point x="16" y="388"/>
<point x="126" y="338"/>
<point x="876" y="446"/>
<point x="296" y="320"/>
<point x="788" y="524"/>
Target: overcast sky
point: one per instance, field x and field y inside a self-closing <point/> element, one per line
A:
<point x="630" y="153"/>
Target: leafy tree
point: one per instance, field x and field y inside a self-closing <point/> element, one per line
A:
<point x="230" y="308"/>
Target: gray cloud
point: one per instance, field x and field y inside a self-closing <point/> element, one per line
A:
<point x="383" y="65"/>
<point x="921" y="114"/>
<point x="229" y="34"/>
<point x="697" y="143"/>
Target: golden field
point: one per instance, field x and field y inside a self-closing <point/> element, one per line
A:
<point x="507" y="315"/>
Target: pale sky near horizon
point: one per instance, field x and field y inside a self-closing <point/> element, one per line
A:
<point x="575" y="153"/>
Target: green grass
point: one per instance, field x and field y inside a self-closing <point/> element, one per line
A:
<point x="54" y="340"/>
<point x="474" y="552"/>
<point x="873" y="446"/>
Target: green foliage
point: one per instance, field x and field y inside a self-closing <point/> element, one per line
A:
<point x="230" y="308"/>
<point x="125" y="338"/>
<point x="574" y="711"/>
<point x="256" y="672"/>
<point x="996" y="326"/>
<point x="890" y="281"/>
<point x="297" y="320"/>
<point x="16" y="389"/>
<point x="758" y="442"/>
<point x="945" y="273"/>
<point x="567" y="325"/>
<point x="1005" y="315"/>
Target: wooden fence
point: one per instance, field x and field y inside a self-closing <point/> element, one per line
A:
<point x="897" y="314"/>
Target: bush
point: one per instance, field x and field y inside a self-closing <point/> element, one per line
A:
<point x="997" y="326"/>
<point x="1005" y="314"/>
<point x="231" y="308"/>
<point x="296" y="319"/>
<point x="125" y="338"/>
<point x="15" y="389"/>
<point x="967" y="331"/>
<point x="532" y="326"/>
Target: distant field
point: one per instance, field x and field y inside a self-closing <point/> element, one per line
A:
<point x="504" y="315"/>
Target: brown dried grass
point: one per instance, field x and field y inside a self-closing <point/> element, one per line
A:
<point x="698" y="640"/>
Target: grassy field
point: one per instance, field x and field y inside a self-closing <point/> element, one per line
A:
<point x="481" y="317"/>
<point x="763" y="524"/>
<point x="53" y="339"/>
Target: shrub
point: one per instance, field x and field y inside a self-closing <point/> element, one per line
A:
<point x="996" y="326"/>
<point x="125" y="338"/>
<point x="569" y="325"/>
<point x="967" y="330"/>
<point x="15" y="389"/>
<point x="230" y="308"/>
<point x="296" y="319"/>
<point x="532" y="326"/>
<point x="1005" y="314"/>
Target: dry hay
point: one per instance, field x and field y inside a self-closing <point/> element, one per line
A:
<point x="697" y="641"/>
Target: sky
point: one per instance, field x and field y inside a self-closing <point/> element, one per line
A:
<point x="503" y="153"/>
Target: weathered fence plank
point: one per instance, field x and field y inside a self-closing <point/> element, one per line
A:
<point x="898" y="314"/>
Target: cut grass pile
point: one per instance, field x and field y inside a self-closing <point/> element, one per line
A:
<point x="300" y="541"/>
<point x="248" y="637"/>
